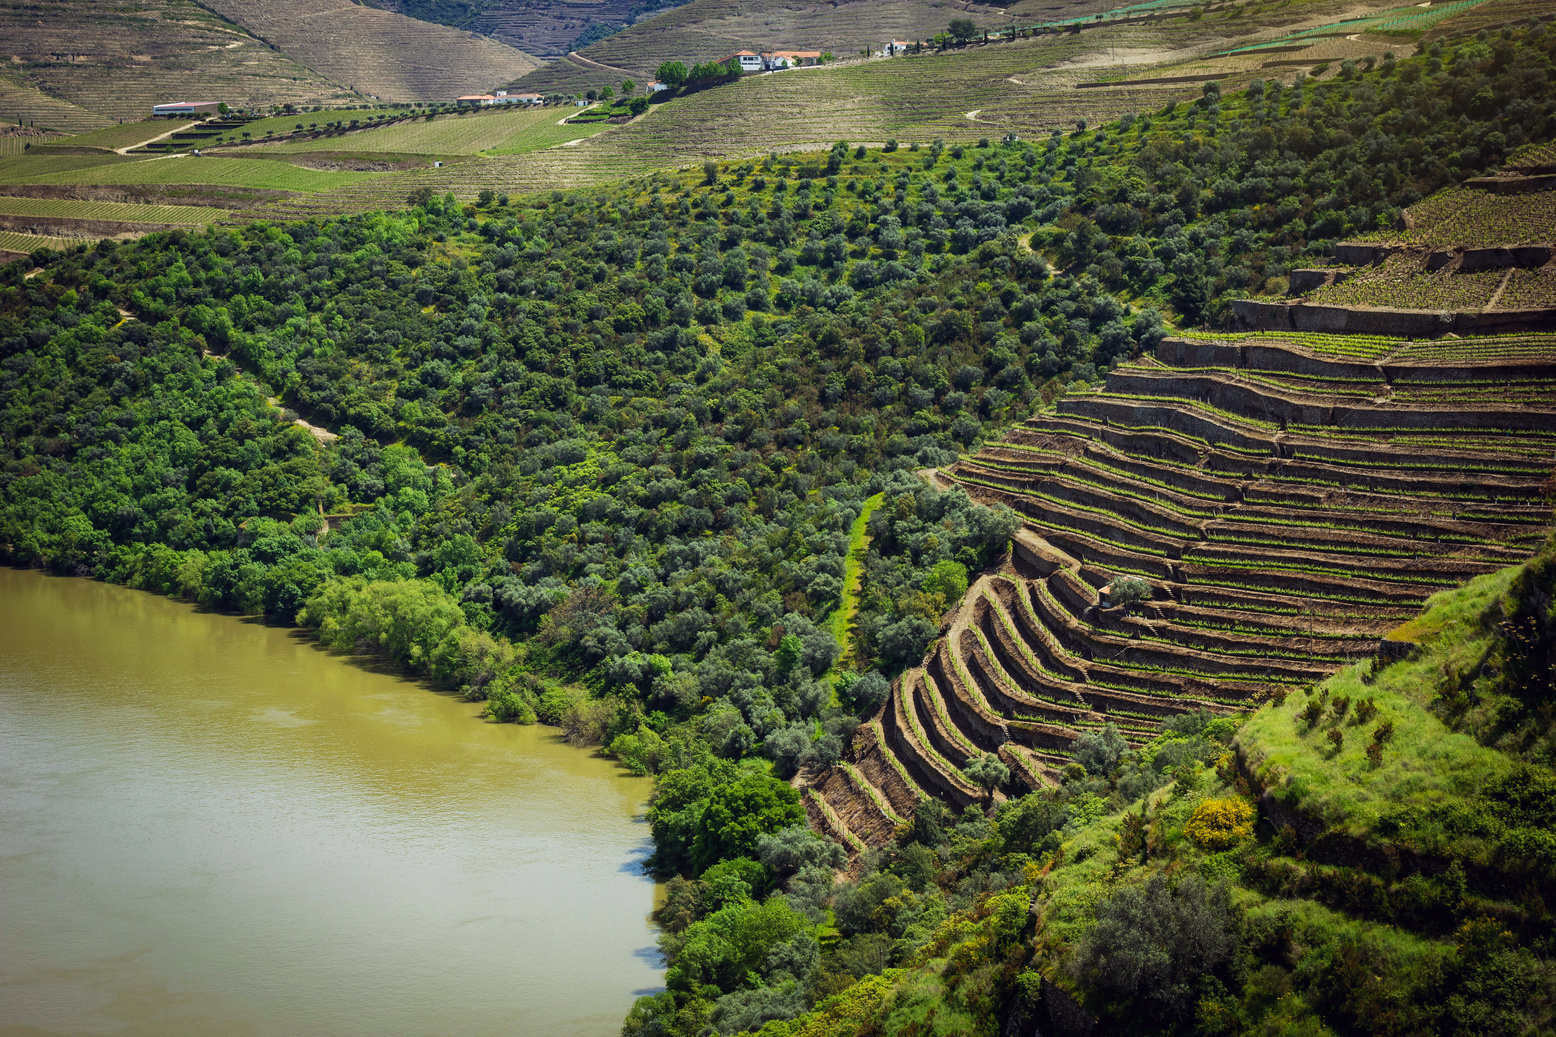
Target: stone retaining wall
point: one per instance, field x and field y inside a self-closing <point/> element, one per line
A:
<point x="1262" y="315"/>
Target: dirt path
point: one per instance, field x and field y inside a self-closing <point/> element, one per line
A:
<point x="323" y="435"/>
<point x="563" y="120"/>
<point x="973" y="115"/>
<point x="161" y="136"/>
<point x="579" y="59"/>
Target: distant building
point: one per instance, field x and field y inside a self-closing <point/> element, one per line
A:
<point x="773" y="60"/>
<point x="654" y="86"/>
<point x="500" y="97"/>
<point x="897" y="48"/>
<point x="186" y="108"/>
<point x="749" y="60"/>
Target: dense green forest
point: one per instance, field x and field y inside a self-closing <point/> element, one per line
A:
<point x="599" y="455"/>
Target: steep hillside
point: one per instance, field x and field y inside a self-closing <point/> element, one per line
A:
<point x="379" y="53"/>
<point x="546" y="28"/>
<point x="1137" y="34"/>
<point x="115" y="62"/>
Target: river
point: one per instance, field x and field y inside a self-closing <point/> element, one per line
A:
<point x="209" y="826"/>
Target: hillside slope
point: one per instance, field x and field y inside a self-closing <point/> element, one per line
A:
<point x="708" y="29"/>
<point x="545" y="28"/>
<point x="379" y="53"/>
<point x="116" y="62"/>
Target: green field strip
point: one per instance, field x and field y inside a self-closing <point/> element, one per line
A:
<point x="127" y="135"/>
<point x="13" y="241"/>
<point x="498" y="133"/>
<point x="118" y="212"/>
<point x="842" y="617"/>
<point x="259" y="174"/>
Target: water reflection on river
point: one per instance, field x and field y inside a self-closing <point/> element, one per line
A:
<point x="209" y="826"/>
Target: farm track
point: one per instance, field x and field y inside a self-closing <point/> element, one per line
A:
<point x="1288" y="502"/>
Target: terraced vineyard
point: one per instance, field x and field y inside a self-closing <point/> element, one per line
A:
<point x="1476" y="218"/>
<point x="14" y="244"/>
<point x="117" y="60"/>
<point x="23" y="102"/>
<point x="1288" y="500"/>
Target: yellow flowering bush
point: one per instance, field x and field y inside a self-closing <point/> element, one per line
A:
<point x="1218" y="824"/>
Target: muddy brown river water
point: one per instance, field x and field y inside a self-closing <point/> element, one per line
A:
<point x="209" y="826"/>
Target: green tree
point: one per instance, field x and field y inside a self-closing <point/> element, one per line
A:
<point x="732" y="943"/>
<point x="738" y="813"/>
<point x="988" y="771"/>
<point x="948" y="579"/>
<point x="963" y="29"/>
<point x="672" y="74"/>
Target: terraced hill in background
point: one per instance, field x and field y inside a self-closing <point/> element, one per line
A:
<point x="75" y="65"/>
<point x="707" y="29"/>
<point x="1289" y="498"/>
<point x="379" y="53"/>
<point x="1115" y="41"/>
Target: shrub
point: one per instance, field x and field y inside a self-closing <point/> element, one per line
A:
<point x="988" y="771"/>
<point x="1219" y="824"/>
<point x="1100" y="751"/>
<point x="1154" y="946"/>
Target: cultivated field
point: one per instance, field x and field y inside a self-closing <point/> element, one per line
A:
<point x="495" y="132"/>
<point x="378" y="53"/>
<point x="1285" y="506"/>
<point x="287" y="124"/>
<point x="130" y="134"/>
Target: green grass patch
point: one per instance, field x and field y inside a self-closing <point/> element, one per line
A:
<point x="126" y="136"/>
<point x="261" y="174"/>
<point x="842" y="617"/>
<point x="1425" y="764"/>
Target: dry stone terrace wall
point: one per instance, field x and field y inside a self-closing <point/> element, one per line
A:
<point x="1289" y="501"/>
